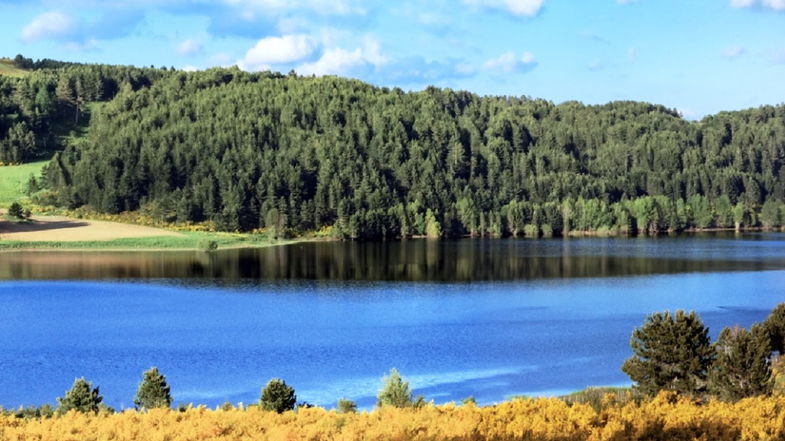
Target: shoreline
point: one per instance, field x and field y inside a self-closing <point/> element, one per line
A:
<point x="247" y="241"/>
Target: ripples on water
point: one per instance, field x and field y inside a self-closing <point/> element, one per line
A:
<point x="506" y="316"/>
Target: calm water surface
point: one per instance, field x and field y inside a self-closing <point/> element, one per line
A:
<point x="491" y="318"/>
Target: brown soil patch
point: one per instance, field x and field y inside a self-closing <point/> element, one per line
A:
<point x="65" y="229"/>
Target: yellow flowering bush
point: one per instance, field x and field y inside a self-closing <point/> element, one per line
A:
<point x="666" y="417"/>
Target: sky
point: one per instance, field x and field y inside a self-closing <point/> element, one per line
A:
<point x="697" y="56"/>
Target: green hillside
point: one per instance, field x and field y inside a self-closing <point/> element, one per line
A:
<point x="8" y="68"/>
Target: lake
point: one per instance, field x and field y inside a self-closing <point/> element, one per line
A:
<point x="485" y="318"/>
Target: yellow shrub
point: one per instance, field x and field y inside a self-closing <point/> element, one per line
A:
<point x="665" y="417"/>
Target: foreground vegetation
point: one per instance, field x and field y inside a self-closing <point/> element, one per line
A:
<point x="665" y="417"/>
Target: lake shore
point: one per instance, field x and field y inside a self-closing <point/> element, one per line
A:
<point x="64" y="233"/>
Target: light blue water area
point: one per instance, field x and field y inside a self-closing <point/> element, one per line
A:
<point x="218" y="343"/>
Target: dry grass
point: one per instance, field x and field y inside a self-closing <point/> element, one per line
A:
<point x="64" y="229"/>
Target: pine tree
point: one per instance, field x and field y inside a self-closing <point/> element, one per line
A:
<point x="277" y="396"/>
<point x="395" y="392"/>
<point x="153" y="391"/>
<point x="82" y="397"/>
<point x="671" y="352"/>
<point x="775" y="327"/>
<point x="742" y="368"/>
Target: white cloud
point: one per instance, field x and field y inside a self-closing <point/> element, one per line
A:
<point x="509" y="62"/>
<point x="277" y="50"/>
<point x="52" y="24"/>
<point x="523" y="8"/>
<point x="339" y="61"/>
<point x="189" y="47"/>
<point x="321" y="7"/>
<point x="734" y="52"/>
<point x="189" y="68"/>
<point x="632" y="54"/>
<point x="626" y="2"/>
<point x="776" y="5"/>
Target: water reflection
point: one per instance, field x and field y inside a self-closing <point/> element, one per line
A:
<point x="416" y="260"/>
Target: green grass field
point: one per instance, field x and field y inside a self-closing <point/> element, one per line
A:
<point x="7" y="68"/>
<point x="13" y="179"/>
<point x="189" y="241"/>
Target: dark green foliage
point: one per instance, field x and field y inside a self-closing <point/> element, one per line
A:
<point x="290" y="153"/>
<point x="742" y="368"/>
<point x="277" y="396"/>
<point x="775" y="328"/>
<point x="16" y="211"/>
<point x="153" y="391"/>
<point x="395" y="392"/>
<point x="82" y="397"/>
<point x="671" y="352"/>
<point x="346" y="405"/>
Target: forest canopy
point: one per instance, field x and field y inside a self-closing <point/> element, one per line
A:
<point x="290" y="153"/>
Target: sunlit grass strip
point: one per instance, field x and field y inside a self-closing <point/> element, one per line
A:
<point x="188" y="241"/>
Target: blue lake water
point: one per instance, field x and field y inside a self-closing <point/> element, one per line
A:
<point x="490" y="335"/>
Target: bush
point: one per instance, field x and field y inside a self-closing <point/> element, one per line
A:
<point x="207" y="245"/>
<point x="277" y="396"/>
<point x="82" y="397"/>
<point x="153" y="391"/>
<point x="16" y="211"/>
<point x="346" y="405"/>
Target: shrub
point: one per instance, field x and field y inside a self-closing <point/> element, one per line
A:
<point x="15" y="210"/>
<point x="346" y="405"/>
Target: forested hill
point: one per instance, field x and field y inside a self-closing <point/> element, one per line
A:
<point x="302" y="153"/>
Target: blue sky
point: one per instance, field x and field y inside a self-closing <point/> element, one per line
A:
<point x="699" y="56"/>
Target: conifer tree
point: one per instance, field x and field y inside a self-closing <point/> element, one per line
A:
<point x="742" y="368"/>
<point x="153" y="391"/>
<point x="671" y="352"/>
<point x="82" y="397"/>
<point x="775" y="328"/>
<point x="395" y="392"/>
<point x="277" y="396"/>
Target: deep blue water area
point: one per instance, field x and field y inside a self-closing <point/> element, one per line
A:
<point x="221" y="338"/>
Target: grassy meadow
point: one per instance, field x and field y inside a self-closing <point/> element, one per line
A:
<point x="13" y="179"/>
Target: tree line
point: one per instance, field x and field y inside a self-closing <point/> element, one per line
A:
<point x="292" y="154"/>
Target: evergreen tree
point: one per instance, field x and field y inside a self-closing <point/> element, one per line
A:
<point x="394" y="392"/>
<point x="277" y="396"/>
<point x="775" y="328"/>
<point x="82" y="397"/>
<point x="346" y="405"/>
<point x="742" y="368"/>
<point x="671" y="352"/>
<point x="153" y="391"/>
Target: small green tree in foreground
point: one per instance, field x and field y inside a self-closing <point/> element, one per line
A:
<point x="671" y="352"/>
<point x="742" y="368"/>
<point x="82" y="397"/>
<point x="346" y="405"/>
<point x="396" y="392"/>
<point x="153" y="391"/>
<point x="277" y="396"/>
